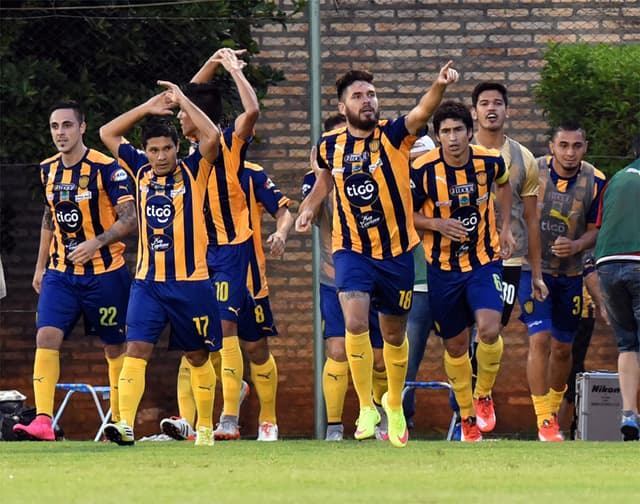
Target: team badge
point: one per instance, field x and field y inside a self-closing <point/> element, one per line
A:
<point x="464" y="199"/>
<point x="356" y="168"/>
<point x="177" y="177"/>
<point x="481" y="178"/>
<point x="528" y="306"/>
<point x="83" y="181"/>
<point x="374" y="145"/>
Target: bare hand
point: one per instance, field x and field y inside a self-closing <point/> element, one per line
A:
<point x="229" y="59"/>
<point x="507" y="243"/>
<point x="37" y="280"/>
<point x="304" y="220"/>
<point x="452" y="229"/>
<point x="564" y="247"/>
<point x="539" y="289"/>
<point x="84" y="252"/>
<point x="174" y="94"/>
<point x="277" y="243"/>
<point x="447" y="74"/>
<point x="160" y="104"/>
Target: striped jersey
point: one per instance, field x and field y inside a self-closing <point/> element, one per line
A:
<point x="226" y="212"/>
<point x="262" y="194"/>
<point x="172" y="235"/>
<point x="372" y="215"/>
<point x="464" y="193"/>
<point x="82" y="200"/>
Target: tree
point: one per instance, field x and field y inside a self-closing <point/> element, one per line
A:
<point x="597" y="86"/>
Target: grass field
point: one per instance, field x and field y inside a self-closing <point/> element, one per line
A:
<point x="310" y="472"/>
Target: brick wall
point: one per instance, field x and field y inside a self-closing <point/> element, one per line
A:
<point x="403" y="43"/>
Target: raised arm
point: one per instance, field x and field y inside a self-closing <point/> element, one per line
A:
<point x="208" y="70"/>
<point x="208" y="133"/>
<point x="112" y="133"/>
<point x="418" y="116"/>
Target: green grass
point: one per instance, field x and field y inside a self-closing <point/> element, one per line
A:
<point x="310" y="472"/>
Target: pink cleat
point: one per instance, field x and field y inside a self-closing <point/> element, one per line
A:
<point x="40" y="429"/>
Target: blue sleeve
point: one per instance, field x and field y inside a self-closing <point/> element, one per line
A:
<point x="418" y="193"/>
<point x="322" y="162"/>
<point x="267" y="193"/>
<point x="396" y="130"/>
<point x="192" y="162"/>
<point x="308" y="183"/>
<point x="132" y="158"/>
<point x="117" y="183"/>
<point x="592" y="214"/>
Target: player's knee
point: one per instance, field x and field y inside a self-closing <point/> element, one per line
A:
<point x="49" y="338"/>
<point x="488" y="332"/>
<point x="258" y="351"/>
<point x="561" y="351"/>
<point x="197" y="358"/>
<point x="335" y="349"/>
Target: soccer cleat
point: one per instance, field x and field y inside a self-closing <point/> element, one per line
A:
<point x="227" y="429"/>
<point x="470" y="432"/>
<point x="381" y="431"/>
<point x="485" y="413"/>
<point x="549" y="431"/>
<point x="398" y="433"/>
<point x="268" y="431"/>
<point x="204" y="437"/>
<point x="178" y="428"/>
<point x="40" y="429"/>
<point x="335" y="432"/>
<point x="629" y="428"/>
<point x="366" y="423"/>
<point x="119" y="433"/>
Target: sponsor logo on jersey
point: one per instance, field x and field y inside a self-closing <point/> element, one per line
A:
<point x="119" y="175"/>
<point x="70" y="244"/>
<point x="361" y="190"/>
<point x="369" y="219"/>
<point x="362" y="157"/>
<point x="159" y="211"/>
<point x="64" y="187"/>
<point x="461" y="189"/>
<point x="83" y="196"/>
<point x="68" y="216"/>
<point x="160" y="243"/>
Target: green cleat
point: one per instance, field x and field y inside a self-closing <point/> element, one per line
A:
<point x="119" y="433"/>
<point x="204" y="437"/>
<point x="398" y="432"/>
<point x="366" y="423"/>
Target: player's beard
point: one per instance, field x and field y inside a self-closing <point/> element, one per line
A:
<point x="353" y="118"/>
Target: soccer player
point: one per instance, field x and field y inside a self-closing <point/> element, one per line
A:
<point x="568" y="205"/>
<point x="373" y="233"/>
<point x="335" y="380"/>
<point x="617" y="260"/>
<point x="172" y="281"/>
<point x="490" y="111"/>
<point x="89" y="208"/>
<point x="452" y="189"/>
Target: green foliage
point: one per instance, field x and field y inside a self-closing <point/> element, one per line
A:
<point x="109" y="57"/>
<point x="598" y="86"/>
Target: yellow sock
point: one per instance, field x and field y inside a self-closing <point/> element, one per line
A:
<point x="203" y="385"/>
<point x="265" y="380"/>
<point x="115" y="367"/>
<point x="488" y="357"/>
<point x="185" y="395"/>
<point x="555" y="398"/>
<point x="232" y="370"/>
<point x="395" y="360"/>
<point x="216" y="362"/>
<point x="459" y="372"/>
<point x="542" y="408"/>
<point x="335" y="380"/>
<point x="360" y="357"/>
<point x="131" y="388"/>
<point x="46" y="373"/>
<point x="379" y="385"/>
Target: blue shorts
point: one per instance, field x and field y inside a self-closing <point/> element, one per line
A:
<point x="190" y="308"/>
<point x="256" y="321"/>
<point x="228" y="266"/>
<point x="333" y="320"/>
<point x="102" y="299"/>
<point x="560" y="313"/>
<point x="455" y="296"/>
<point x="389" y="282"/>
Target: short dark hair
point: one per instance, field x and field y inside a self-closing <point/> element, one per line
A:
<point x="158" y="126"/>
<point x="489" y="86"/>
<point x="207" y="97"/>
<point x="349" y="78"/>
<point x="68" y="104"/>
<point x="568" y="126"/>
<point x="451" y="109"/>
<point x="333" y="121"/>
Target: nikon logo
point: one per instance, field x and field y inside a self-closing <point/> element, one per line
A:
<point x="604" y="389"/>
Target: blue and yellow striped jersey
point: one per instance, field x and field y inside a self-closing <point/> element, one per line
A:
<point x="372" y="199"/>
<point x="463" y="193"/>
<point x="172" y="235"/>
<point x="227" y="215"/>
<point x="82" y="200"/>
<point x="262" y="194"/>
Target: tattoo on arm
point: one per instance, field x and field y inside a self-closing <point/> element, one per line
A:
<point x="127" y="216"/>
<point x="47" y="219"/>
